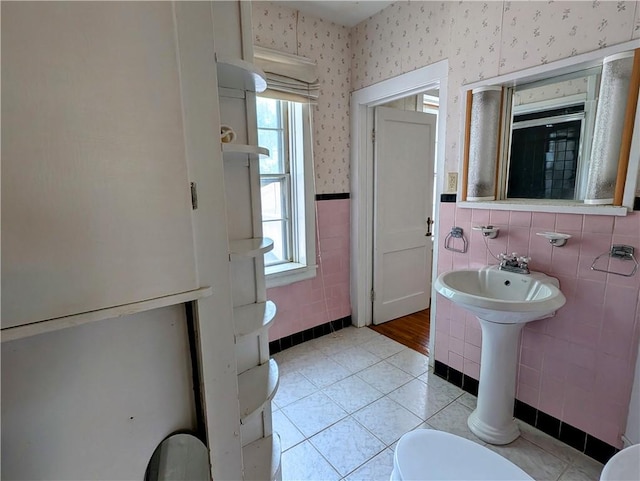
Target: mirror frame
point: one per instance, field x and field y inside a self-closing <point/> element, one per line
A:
<point x="628" y="168"/>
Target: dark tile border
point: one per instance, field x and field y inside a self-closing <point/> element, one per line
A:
<point x="454" y="376"/>
<point x="574" y="437"/>
<point x="548" y="424"/>
<point x="599" y="450"/>
<point x="525" y="412"/>
<point x="308" y="334"/>
<point x="346" y="195"/>
<point x="448" y="198"/>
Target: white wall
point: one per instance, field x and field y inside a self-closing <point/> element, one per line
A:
<point x="94" y="401"/>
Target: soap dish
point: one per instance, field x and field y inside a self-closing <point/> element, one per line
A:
<point x="487" y="230"/>
<point x="556" y="239"/>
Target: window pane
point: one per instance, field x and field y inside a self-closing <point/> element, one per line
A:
<point x="272" y="140"/>
<point x="273" y="201"/>
<point x="276" y="230"/>
<point x="544" y="161"/>
<point x="268" y="113"/>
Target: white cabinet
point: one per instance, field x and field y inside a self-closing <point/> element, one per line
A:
<point x="96" y="203"/>
<point x="253" y="313"/>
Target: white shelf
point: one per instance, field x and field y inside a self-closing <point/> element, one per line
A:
<point x="253" y="247"/>
<point x="18" y="332"/>
<point x="252" y="317"/>
<point x="235" y="73"/>
<point x="231" y="151"/>
<point x="257" y="386"/>
<point x="262" y="456"/>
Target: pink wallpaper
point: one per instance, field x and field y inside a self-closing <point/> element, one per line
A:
<point x="578" y="365"/>
<point x="326" y="297"/>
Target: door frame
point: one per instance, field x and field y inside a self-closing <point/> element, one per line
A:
<point x="362" y="185"/>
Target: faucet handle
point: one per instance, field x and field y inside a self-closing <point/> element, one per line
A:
<point x="524" y="259"/>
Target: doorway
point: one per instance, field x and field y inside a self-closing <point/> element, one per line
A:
<point x="404" y="151"/>
<point x="363" y="102"/>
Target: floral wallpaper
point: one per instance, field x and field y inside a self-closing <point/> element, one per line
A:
<point x="535" y="33"/>
<point x="553" y="91"/>
<point x="328" y="44"/>
<point x="483" y="40"/>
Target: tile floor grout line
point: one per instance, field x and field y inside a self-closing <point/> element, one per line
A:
<point x="577" y="464"/>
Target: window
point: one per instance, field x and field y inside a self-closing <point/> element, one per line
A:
<point x="286" y="186"/>
<point x="545" y="154"/>
<point x="550" y="143"/>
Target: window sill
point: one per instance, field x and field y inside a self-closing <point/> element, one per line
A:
<point x="551" y="206"/>
<point x="285" y="274"/>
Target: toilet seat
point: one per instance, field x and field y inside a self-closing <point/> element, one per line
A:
<point x="427" y="454"/>
<point x="624" y="466"/>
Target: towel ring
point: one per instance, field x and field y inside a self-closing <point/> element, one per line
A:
<point x="618" y="251"/>
<point x="456" y="233"/>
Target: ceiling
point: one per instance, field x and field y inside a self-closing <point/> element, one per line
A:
<point x="346" y="13"/>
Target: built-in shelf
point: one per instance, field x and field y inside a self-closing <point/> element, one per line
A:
<point x="19" y="332"/>
<point x="235" y="73"/>
<point x="257" y="386"/>
<point x="262" y="456"/>
<point x="231" y="151"/>
<point x="252" y="317"/>
<point x="253" y="247"/>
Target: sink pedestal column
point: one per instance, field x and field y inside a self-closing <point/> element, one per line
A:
<point x="492" y="421"/>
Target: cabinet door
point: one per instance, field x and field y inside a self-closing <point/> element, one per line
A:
<point x="96" y="207"/>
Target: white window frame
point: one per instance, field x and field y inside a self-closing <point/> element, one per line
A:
<point x="302" y="202"/>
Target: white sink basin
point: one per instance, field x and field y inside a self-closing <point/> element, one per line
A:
<point x="501" y="296"/>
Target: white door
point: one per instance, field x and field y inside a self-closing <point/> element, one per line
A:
<point x="404" y="152"/>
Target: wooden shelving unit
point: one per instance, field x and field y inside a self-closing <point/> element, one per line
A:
<point x="235" y="73"/>
<point x="257" y="386"/>
<point x="260" y="454"/>
<point x="253" y="317"/>
<point x="256" y="246"/>
<point x="253" y="313"/>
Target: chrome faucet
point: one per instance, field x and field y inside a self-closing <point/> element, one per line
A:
<point x="514" y="263"/>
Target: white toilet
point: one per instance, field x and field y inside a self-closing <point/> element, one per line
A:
<point x="427" y="454"/>
<point x="624" y="466"/>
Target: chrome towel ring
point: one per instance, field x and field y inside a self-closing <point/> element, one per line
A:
<point x="621" y="252"/>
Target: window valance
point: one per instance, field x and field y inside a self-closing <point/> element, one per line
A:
<point x="289" y="77"/>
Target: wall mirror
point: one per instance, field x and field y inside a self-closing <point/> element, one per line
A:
<point x="560" y="134"/>
<point x="180" y="457"/>
<point x="551" y="132"/>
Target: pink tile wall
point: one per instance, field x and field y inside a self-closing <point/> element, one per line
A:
<point x="325" y="298"/>
<point x="577" y="366"/>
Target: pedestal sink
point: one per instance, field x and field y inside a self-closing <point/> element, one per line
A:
<point x="503" y="302"/>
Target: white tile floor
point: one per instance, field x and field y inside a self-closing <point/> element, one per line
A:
<point x="345" y="399"/>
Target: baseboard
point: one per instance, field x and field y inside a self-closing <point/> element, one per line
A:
<point x="308" y="334"/>
<point x="570" y="435"/>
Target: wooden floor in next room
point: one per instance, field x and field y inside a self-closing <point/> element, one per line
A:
<point x="411" y="331"/>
